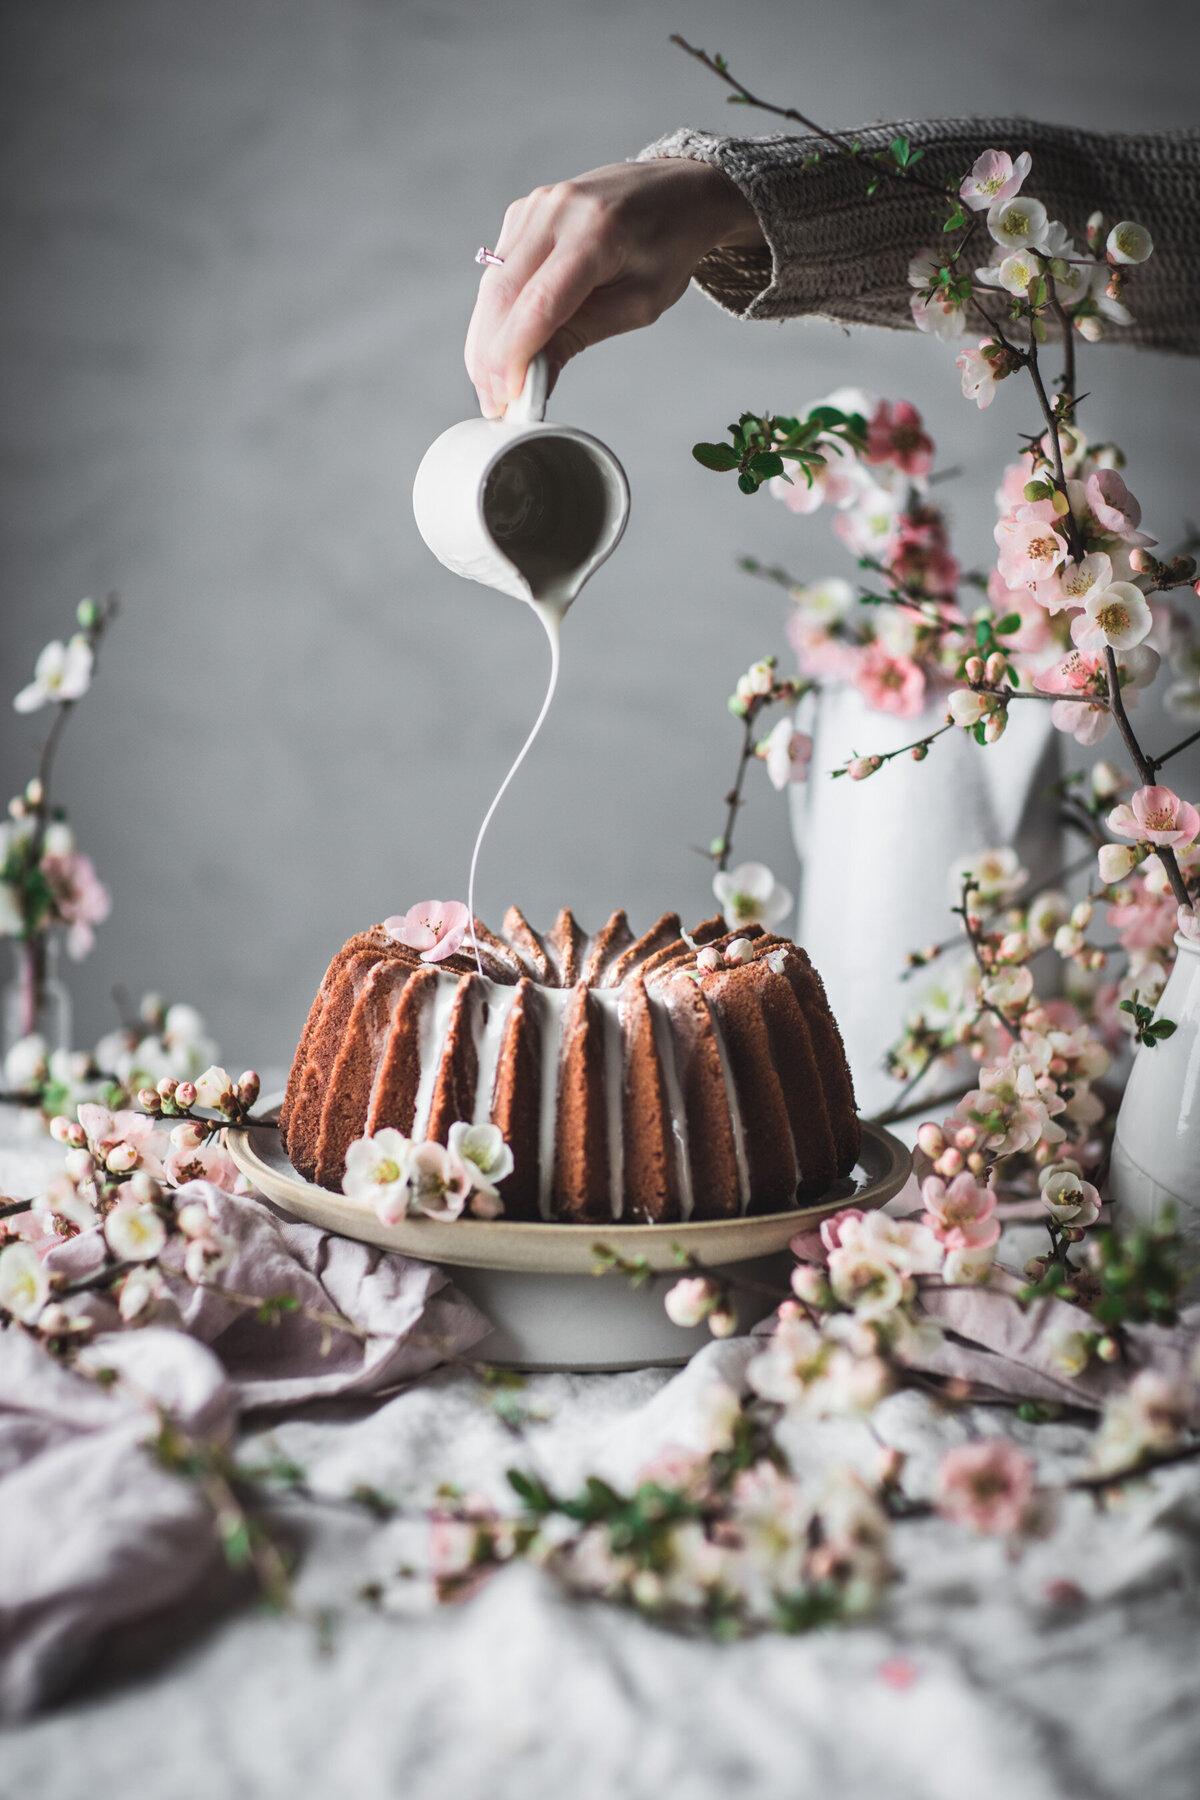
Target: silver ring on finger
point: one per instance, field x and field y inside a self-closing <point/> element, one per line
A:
<point x="487" y="257"/>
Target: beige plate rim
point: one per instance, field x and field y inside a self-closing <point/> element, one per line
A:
<point x="555" y="1249"/>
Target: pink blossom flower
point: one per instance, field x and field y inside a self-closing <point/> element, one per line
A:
<point x="994" y="177"/>
<point x="1030" y="548"/>
<point x="787" y="754"/>
<point x="895" y="436"/>
<point x="978" y="374"/>
<point x="1156" y="815"/>
<point x="960" y="1213"/>
<point x="1112" y="503"/>
<point x="893" y="684"/>
<point x="206" y="1162"/>
<point x="1075" y="581"/>
<point x="987" y="1486"/>
<point x="835" y="1232"/>
<point x="434" y="927"/>
<point x="80" y="899"/>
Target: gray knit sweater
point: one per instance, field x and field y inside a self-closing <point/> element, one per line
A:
<point x="833" y="252"/>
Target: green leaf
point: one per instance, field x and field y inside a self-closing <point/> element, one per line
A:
<point x="872" y="185"/>
<point x="528" y="1488"/>
<point x="748" y="482"/>
<point x="719" y="457"/>
<point x="982" y="632"/>
<point x="1009" y="623"/>
<point x="1163" y="1028"/>
<point x="766" y="463"/>
<point x="978" y="732"/>
<point x="956" y="220"/>
<point x="901" y="150"/>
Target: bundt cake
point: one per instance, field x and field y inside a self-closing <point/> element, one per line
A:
<point x="645" y="1080"/>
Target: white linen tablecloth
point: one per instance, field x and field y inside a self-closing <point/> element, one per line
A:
<point x="525" y="1692"/>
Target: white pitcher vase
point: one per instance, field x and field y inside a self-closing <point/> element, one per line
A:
<point x="1156" y="1149"/>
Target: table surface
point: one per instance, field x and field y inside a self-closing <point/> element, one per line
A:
<point x="523" y="1691"/>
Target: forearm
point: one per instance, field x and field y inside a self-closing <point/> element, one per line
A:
<point x="831" y="250"/>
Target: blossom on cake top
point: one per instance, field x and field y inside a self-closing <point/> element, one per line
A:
<point x="434" y="927"/>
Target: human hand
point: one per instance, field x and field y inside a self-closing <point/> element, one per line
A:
<point x="585" y="259"/>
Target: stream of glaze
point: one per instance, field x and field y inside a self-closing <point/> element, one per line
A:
<point x="550" y="612"/>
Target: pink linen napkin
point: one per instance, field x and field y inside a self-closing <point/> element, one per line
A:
<point x="93" y="1532"/>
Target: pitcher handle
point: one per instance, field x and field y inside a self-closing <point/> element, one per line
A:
<point x="530" y="407"/>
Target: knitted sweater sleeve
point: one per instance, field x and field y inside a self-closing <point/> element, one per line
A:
<point x="834" y="252"/>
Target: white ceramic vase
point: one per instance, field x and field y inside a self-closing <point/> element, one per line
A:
<point x="876" y="855"/>
<point x="1156" y="1149"/>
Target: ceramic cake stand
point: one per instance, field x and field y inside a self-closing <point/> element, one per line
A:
<point x="535" y="1281"/>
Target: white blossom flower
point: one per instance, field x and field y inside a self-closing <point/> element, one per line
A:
<point x="750" y="895"/>
<point x="1148" y="1417"/>
<point x="1067" y="1197"/>
<point x="483" y="1149"/>
<point x="135" y="1233"/>
<point x="1129" y="242"/>
<point x="864" y="1279"/>
<point x="139" y="1290"/>
<point x="689" y="1302"/>
<point x="967" y="708"/>
<point x="1008" y="988"/>
<point x="62" y="672"/>
<point x="938" y="315"/>
<point x="1116" y="615"/>
<point x="994" y="177"/>
<point x="787" y="754"/>
<point x="377" y="1173"/>
<point x="439" y="1181"/>
<point x="24" y="1282"/>
<point x="25" y="1065"/>
<point x="978" y="375"/>
<point x="1018" y="224"/>
<point x="212" y="1087"/>
<point x="1017" y="271"/>
<point x="1116" y="861"/>
<point x="996" y="876"/>
<point x="969" y="1267"/>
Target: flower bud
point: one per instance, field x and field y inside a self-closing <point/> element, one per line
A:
<point x="150" y="1100"/>
<point x="722" y="1322"/>
<point x="1074" y="1234"/>
<point x="144" y="1188"/>
<point x="1142" y="562"/>
<point x="973" y="668"/>
<point x="248" y="1087"/>
<point x="166" y="1087"/>
<point x="862" y="766"/>
<point x="740" y="951"/>
<point x="16" y="807"/>
<point x="708" y="958"/>
<point x="194" y="1219"/>
<point x="1116" y="861"/>
<point x="88" y="614"/>
<point x="1090" y="329"/>
<point x="977" y="1162"/>
<point x="78" y="1165"/>
<point x="809" y="1284"/>
<point x="965" y="1138"/>
<point x="930" y="1139"/>
<point x="995" y="725"/>
<point x="1036" y="1267"/>
<point x="188" y="1136"/>
<point x="121" y="1158"/>
<point x="185" y="1095"/>
<point x="1108" y="1349"/>
<point x="34" y="792"/>
<point x="995" y="666"/>
<point x="60" y="1128"/>
<point x="950" y="1162"/>
<point x="1095" y="229"/>
<point x="919" y="752"/>
<point x="1081" y="915"/>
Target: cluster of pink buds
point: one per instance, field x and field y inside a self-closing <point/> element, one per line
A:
<point x="696" y="1301"/>
<point x="953" y="1146"/>
<point x="214" y="1089"/>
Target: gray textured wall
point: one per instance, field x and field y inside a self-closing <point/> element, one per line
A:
<point x="237" y="240"/>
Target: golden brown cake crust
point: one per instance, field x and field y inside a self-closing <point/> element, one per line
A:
<point x="733" y="1092"/>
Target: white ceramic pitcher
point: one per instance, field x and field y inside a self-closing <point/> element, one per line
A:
<point x="521" y="505"/>
<point x="1156" y="1148"/>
